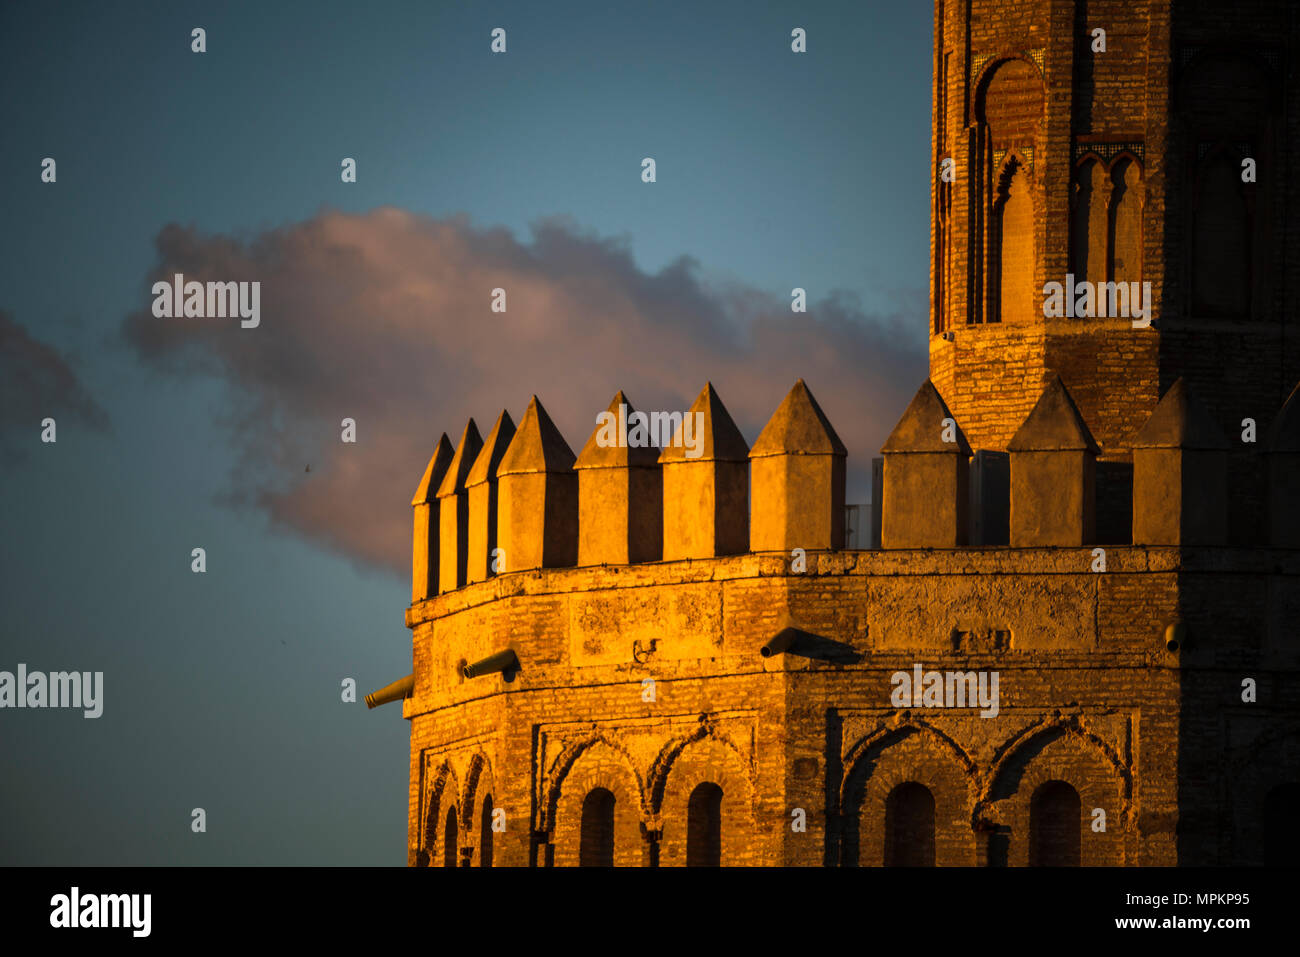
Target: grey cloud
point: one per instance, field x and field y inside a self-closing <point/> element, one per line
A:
<point x="385" y="318"/>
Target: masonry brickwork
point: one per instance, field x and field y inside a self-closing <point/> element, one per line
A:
<point x="1133" y="578"/>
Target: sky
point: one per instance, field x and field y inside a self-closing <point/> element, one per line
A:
<point x="475" y="171"/>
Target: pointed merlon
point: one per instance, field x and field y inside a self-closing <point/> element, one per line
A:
<point x="427" y="491"/>
<point x="537" y="446"/>
<point x="426" y="542"/>
<point x="494" y="449"/>
<point x="798" y="427"/>
<point x="1180" y="421"/>
<point x="1180" y="477"/>
<point x="599" y="452"/>
<point x="706" y="484"/>
<point x="1284" y="433"/>
<point x="1054" y="424"/>
<point x="717" y="438"/>
<point x="467" y="450"/>
<point x="797" y="469"/>
<point x="921" y="429"/>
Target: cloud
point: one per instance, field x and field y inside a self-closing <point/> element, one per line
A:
<point x="36" y="382"/>
<point x="385" y="318"/>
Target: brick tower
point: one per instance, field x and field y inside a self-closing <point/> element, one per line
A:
<point x="1077" y="640"/>
<point x="1108" y="140"/>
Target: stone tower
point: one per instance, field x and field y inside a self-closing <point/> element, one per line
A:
<point x="1078" y="641"/>
<point x="1116" y="141"/>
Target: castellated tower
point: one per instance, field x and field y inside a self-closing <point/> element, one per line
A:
<point x="1077" y="641"/>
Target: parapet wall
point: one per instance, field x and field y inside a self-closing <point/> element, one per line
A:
<point x="864" y="604"/>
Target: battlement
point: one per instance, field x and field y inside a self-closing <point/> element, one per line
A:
<point x="522" y="500"/>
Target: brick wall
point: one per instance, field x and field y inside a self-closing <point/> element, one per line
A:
<point x="1088" y="694"/>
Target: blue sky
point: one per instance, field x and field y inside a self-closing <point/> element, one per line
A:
<point x="774" y="170"/>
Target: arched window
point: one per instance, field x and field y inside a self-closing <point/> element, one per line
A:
<point x="1230" y="108"/>
<point x="1054" y="826"/>
<point x="1011" y="248"/>
<point x="943" y="259"/>
<point x="909" y="826"/>
<point x="596" y="844"/>
<point x="1281" y="833"/>
<point x="485" y="834"/>
<point x="450" y="836"/>
<point x="1106" y="229"/>
<point x="1221" y="265"/>
<point x="704" y="827"/>
<point x="1088" y="235"/>
<point x="1125" y="222"/>
<point x="1008" y="114"/>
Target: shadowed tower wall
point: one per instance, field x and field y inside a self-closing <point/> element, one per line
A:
<point x="1115" y="165"/>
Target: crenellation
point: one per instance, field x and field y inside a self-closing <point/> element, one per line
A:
<point x="1180" y="468"/>
<point x="620" y="496"/>
<point x="706" y="496"/>
<point x="453" y="510"/>
<point x="1053" y="473"/>
<point x="425" y="545"/>
<point x="926" y="476"/>
<point x="481" y="488"/>
<point x="797" y="474"/>
<point x="537" y="512"/>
